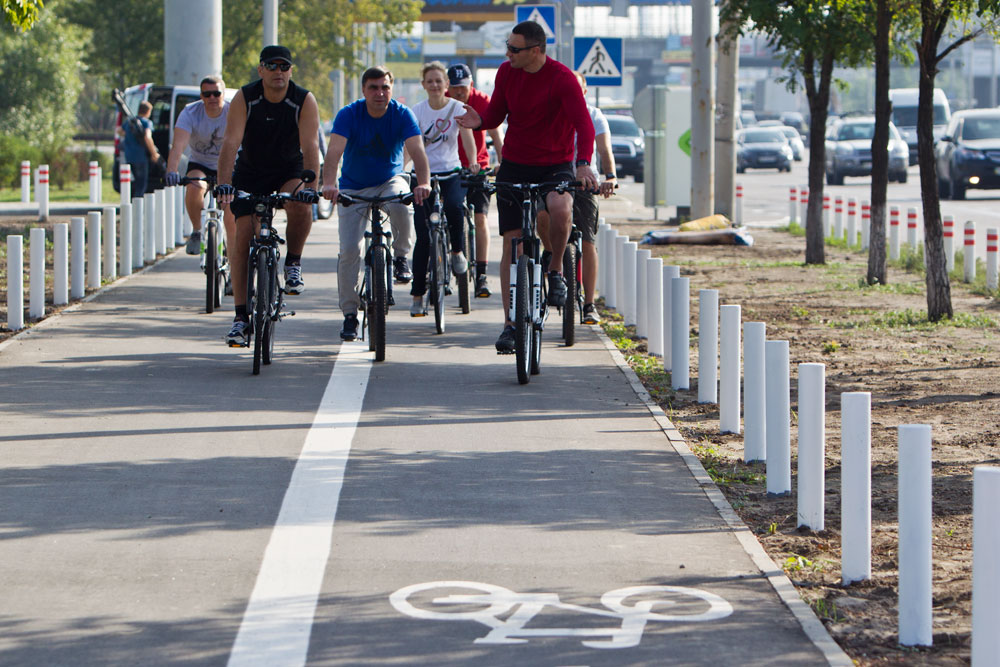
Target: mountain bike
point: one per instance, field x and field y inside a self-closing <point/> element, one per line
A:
<point x="376" y="286"/>
<point x="439" y="259"/>
<point x="265" y="288"/>
<point x="466" y="288"/>
<point x="214" y="250"/>
<point x="573" y="274"/>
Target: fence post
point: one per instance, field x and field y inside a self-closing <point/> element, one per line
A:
<point x="812" y="446"/>
<point x="826" y="216"/>
<point x="60" y="264"/>
<point x="894" y="232"/>
<point x="620" y="241"/>
<point x="94" y="249"/>
<point x="36" y="298"/>
<point x="609" y="262"/>
<point x="110" y="264"/>
<point x="949" y="242"/>
<point x="669" y="273"/>
<point x="914" y="497"/>
<point x="628" y="272"/>
<point x="138" y="230"/>
<point x="729" y="368"/>
<point x="183" y="221"/>
<point x="77" y="253"/>
<point x="654" y="285"/>
<point x="125" y="182"/>
<point x="680" y="322"/>
<point x="642" y="293"/>
<point x="125" y="245"/>
<point x="992" y="235"/>
<point x="803" y="205"/>
<point x="985" y="565"/>
<point x="602" y="252"/>
<point x="739" y="205"/>
<point x="754" y="392"/>
<point x="792" y="205"/>
<point x="160" y="213"/>
<point x="866" y="224"/>
<point x="838" y="217"/>
<point x="94" y="183"/>
<point x="149" y="234"/>
<point x="911" y="228"/>
<point x="852" y="222"/>
<point x="970" y="251"/>
<point x="43" y="193"/>
<point x="25" y="181"/>
<point x="778" y="410"/>
<point x="708" y="345"/>
<point x="855" y="486"/>
<point x="15" y="282"/>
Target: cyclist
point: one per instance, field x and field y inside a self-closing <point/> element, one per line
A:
<point x="370" y="134"/>
<point x="460" y="87"/>
<point x="543" y="105"/>
<point x="436" y="119"/>
<point x="201" y="125"/>
<point x="585" y="209"/>
<point x="274" y="124"/>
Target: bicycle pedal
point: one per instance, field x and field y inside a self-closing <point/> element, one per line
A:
<point x="506" y="352"/>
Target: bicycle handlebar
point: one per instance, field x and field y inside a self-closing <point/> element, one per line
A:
<point x="192" y="179"/>
<point x="278" y="199"/>
<point x="349" y="200"/>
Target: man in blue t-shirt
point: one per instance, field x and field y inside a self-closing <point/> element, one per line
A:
<point x="138" y="147"/>
<point x="370" y="134"/>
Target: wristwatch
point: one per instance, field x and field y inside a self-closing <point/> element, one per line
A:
<point x="583" y="163"/>
<point x="609" y="176"/>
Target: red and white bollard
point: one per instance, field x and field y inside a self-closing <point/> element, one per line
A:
<point x="852" y="222"/>
<point x="992" y="235"/>
<point x="793" y="201"/>
<point x="739" y="205"/>
<point x="803" y="205"/>
<point x="949" y="242"/>
<point x="826" y="216"/>
<point x="25" y="181"/>
<point x="970" y="251"/>
<point x="95" y="182"/>
<point x="866" y="224"/>
<point x="15" y="282"/>
<point x="893" y="232"/>
<point x="125" y="178"/>
<point x="838" y="217"/>
<point x="911" y="228"/>
<point x="43" y="193"/>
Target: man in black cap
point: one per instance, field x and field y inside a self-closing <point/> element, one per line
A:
<point x="274" y="125"/>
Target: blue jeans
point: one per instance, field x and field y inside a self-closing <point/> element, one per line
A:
<point x="140" y="177"/>
<point x="453" y="198"/>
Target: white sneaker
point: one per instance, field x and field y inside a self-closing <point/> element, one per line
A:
<point x="459" y="265"/>
<point x="417" y="308"/>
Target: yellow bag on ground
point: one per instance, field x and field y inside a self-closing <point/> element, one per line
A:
<point x="717" y="221"/>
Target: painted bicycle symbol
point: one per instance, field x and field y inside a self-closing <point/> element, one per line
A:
<point x="488" y="604"/>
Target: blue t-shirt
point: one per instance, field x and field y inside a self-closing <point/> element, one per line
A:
<point x="135" y="149"/>
<point x="374" y="151"/>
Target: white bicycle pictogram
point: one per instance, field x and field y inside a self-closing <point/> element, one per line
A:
<point x="632" y="606"/>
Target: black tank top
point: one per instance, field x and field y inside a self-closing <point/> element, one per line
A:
<point x="271" y="136"/>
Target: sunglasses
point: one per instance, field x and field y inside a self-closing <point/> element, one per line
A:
<point x="518" y="49"/>
<point x="272" y="66"/>
<point x="211" y="93"/>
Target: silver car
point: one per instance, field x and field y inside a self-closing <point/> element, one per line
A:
<point x="849" y="150"/>
<point x="795" y="141"/>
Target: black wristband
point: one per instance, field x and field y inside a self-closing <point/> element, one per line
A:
<point x="582" y="163"/>
<point x="609" y="176"/>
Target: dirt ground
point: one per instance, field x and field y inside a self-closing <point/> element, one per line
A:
<point x="945" y="375"/>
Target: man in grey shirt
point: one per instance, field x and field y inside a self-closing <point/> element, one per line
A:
<point x="201" y="126"/>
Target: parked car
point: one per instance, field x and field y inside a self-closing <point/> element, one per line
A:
<point x="762" y="148"/>
<point x="968" y="154"/>
<point x="748" y="118"/>
<point x="796" y="120"/>
<point x="628" y="145"/>
<point x="904" y="115"/>
<point x="795" y="141"/>
<point x="849" y="150"/>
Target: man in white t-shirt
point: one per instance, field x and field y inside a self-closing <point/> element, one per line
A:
<point x="201" y="126"/>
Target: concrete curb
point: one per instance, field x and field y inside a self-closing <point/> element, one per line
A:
<point x="782" y="585"/>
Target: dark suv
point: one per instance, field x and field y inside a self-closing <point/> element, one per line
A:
<point x="628" y="145"/>
<point x="968" y="154"/>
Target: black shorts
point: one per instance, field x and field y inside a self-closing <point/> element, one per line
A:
<point x="260" y="183"/>
<point x="585" y="214"/>
<point x="508" y="208"/>
<point x="211" y="173"/>
<point x="479" y="201"/>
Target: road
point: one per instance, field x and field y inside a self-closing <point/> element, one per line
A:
<point x="161" y="505"/>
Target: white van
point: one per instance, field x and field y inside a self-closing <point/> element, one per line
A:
<point x="904" y="115"/>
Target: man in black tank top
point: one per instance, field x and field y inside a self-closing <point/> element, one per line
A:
<point x="271" y="136"/>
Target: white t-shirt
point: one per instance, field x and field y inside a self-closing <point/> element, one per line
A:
<point x="206" y="133"/>
<point x="440" y="133"/>
<point x="600" y="127"/>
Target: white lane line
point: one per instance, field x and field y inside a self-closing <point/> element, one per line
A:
<point x="279" y="617"/>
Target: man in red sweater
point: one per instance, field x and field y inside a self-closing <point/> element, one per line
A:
<point x="544" y="108"/>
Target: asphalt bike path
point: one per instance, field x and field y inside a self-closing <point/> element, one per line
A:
<point x="161" y="505"/>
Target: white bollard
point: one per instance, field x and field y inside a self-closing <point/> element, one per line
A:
<point x="812" y="446"/>
<point x="855" y="486"/>
<point x="915" y="535"/>
<point x="125" y="245"/>
<point x="669" y="273"/>
<point x="793" y="202"/>
<point x="94" y="183"/>
<point x="110" y="237"/>
<point x="893" y="232"/>
<point x="911" y="228"/>
<point x="985" y="565"/>
<point x="729" y="368"/>
<point x="708" y="346"/>
<point x="620" y="241"/>
<point x="182" y="218"/>
<point x="15" y="282"/>
<point x="866" y="224"/>
<point x="680" y="334"/>
<point x="641" y="293"/>
<point x="608" y="264"/>
<point x="36" y="284"/>
<point x="601" y="252"/>
<point x="60" y="264"/>
<point x="838" y="217"/>
<point x="78" y="245"/>
<point x="970" y="251"/>
<point x="170" y="233"/>
<point x="25" y="181"/>
<point x="754" y="392"/>
<point x="949" y="242"/>
<point x="94" y="249"/>
<point x="160" y="215"/>
<point x="778" y="417"/>
<point x="125" y="183"/>
<point x="654" y="287"/>
<point x="138" y="229"/>
<point x="43" y="192"/>
<point x="149" y="232"/>
<point x="852" y="222"/>
<point x="826" y="217"/>
<point x="628" y="253"/>
<point x="992" y="236"/>
<point x="803" y="204"/>
<point x="738" y="213"/>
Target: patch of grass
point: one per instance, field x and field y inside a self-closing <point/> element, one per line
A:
<point x="827" y="611"/>
<point x="861" y="285"/>
<point x="798" y="563"/>
<point x="722" y="470"/>
<point x="830" y="346"/>
<point x="619" y="334"/>
<point x="794" y="228"/>
<point x="799" y="311"/>
<point x="910" y="320"/>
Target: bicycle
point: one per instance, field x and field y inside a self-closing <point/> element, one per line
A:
<point x="265" y="291"/>
<point x="472" y="183"/>
<point x="439" y="259"/>
<point x="572" y="310"/>
<point x="214" y="258"/>
<point x="376" y="286"/>
<point x="528" y="311"/>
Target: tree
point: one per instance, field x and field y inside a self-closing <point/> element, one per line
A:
<point x="21" y="13"/>
<point x="813" y="35"/>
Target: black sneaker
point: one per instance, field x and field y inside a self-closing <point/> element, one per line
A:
<point x="350" y="330"/>
<point x="239" y="335"/>
<point x="505" y="343"/>
<point x="482" y="288"/>
<point x="544" y="260"/>
<point x="590" y="315"/>
<point x="193" y="246"/>
<point x="401" y="270"/>
<point x="293" y="279"/>
<point x="557" y="290"/>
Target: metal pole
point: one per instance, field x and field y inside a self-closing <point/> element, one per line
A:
<point x="702" y="109"/>
<point x="270" y="22"/>
<point x="725" y="126"/>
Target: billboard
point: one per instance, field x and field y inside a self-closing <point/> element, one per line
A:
<point x="501" y="10"/>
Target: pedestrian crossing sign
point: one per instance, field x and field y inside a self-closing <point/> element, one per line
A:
<point x="599" y="60"/>
<point x="543" y="15"/>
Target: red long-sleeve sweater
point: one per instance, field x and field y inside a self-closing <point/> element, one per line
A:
<point x="544" y="111"/>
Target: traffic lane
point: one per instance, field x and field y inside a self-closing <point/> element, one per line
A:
<point x="144" y="467"/>
<point x="564" y="486"/>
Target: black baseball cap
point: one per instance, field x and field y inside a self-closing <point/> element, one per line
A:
<point x="459" y="75"/>
<point x="275" y="52"/>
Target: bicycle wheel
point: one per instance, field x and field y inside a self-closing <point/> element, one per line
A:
<point x="522" y="320"/>
<point x="464" y="280"/>
<point x="569" y="308"/>
<point x="439" y="259"/>
<point x="260" y="272"/>
<point x="379" y="303"/>
<point x="536" y="329"/>
<point x="273" y="306"/>
<point x="211" y="268"/>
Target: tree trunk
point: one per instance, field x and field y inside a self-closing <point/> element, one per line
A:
<point x="935" y="267"/>
<point x="880" y="147"/>
<point x="818" y="95"/>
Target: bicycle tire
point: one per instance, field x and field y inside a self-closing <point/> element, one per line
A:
<point x="211" y="268"/>
<point x="522" y="320"/>
<point x="465" y="280"/>
<point x="569" y="308"/>
<point x="274" y="305"/>
<point x="256" y="279"/>
<point x="536" y="328"/>
<point x="439" y="279"/>
<point x="379" y="303"/>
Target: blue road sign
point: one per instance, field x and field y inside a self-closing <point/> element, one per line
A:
<point x="544" y="15"/>
<point x="599" y="60"/>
